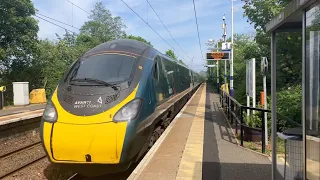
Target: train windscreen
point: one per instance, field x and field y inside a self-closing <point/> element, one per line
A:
<point x="110" y="68"/>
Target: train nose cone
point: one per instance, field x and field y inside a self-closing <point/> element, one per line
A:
<point x="93" y="143"/>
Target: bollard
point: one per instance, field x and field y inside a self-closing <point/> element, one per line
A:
<point x="2" y="89"/>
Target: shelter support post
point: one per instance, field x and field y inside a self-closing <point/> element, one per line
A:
<point x="274" y="105"/>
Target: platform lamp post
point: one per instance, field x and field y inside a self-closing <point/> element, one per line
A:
<point x="224" y="27"/>
<point x="231" y="63"/>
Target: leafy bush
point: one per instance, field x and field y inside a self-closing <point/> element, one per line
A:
<point x="288" y="109"/>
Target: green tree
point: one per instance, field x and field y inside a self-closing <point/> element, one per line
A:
<point x="138" y="38"/>
<point x="260" y="12"/>
<point x="171" y="54"/>
<point x="23" y="57"/>
<point x="18" y="39"/>
<point x="101" y="27"/>
<point x="54" y="55"/>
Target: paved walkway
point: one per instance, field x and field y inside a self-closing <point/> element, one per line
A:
<point x="199" y="144"/>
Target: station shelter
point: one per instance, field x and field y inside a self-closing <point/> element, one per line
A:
<point x="302" y="143"/>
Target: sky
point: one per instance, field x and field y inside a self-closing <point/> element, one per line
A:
<point x="177" y="15"/>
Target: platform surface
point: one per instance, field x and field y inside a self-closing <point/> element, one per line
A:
<point x="15" y="114"/>
<point x="199" y="144"/>
<point x="21" y="109"/>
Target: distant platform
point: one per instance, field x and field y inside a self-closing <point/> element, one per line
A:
<point x="10" y="110"/>
<point x="17" y="113"/>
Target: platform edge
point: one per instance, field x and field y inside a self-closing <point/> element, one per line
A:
<point x="145" y="161"/>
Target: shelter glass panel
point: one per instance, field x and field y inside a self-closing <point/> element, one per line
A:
<point x="289" y="109"/>
<point x="312" y="92"/>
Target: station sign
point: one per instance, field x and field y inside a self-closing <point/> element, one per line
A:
<point x="264" y="66"/>
<point x="226" y="45"/>
<point x="215" y="56"/>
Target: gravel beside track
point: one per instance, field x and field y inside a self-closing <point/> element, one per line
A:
<point x="40" y="170"/>
<point x="35" y="171"/>
<point x="17" y="142"/>
<point x="20" y="159"/>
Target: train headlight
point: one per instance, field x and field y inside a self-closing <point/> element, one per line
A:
<point x="50" y="113"/>
<point x="128" y="112"/>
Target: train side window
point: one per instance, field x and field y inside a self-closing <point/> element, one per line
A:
<point x="156" y="71"/>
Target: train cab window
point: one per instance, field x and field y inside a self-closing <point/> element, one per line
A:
<point x="111" y="68"/>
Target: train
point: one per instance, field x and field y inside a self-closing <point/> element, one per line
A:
<point x="112" y="104"/>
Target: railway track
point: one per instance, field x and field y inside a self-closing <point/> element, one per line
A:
<point x="74" y="177"/>
<point x="17" y="150"/>
<point x="18" y="159"/>
<point x="20" y="146"/>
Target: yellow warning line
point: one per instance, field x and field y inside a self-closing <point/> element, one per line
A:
<point x="190" y="164"/>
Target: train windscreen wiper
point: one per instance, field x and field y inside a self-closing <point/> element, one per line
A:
<point x="96" y="81"/>
<point x="75" y="71"/>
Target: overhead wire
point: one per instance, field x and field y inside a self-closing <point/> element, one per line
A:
<point x="47" y="20"/>
<point x="195" y="14"/>
<point x="58" y="21"/>
<point x="166" y="28"/>
<point x="89" y="13"/>
<point x="78" y="7"/>
<point x="55" y="24"/>
<point x="149" y="26"/>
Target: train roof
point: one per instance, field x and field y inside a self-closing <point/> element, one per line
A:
<point x="171" y="59"/>
<point x="128" y="45"/>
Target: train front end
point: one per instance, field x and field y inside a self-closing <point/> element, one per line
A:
<point x="86" y="120"/>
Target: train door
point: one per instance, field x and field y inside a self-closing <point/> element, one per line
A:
<point x="191" y="77"/>
<point x="178" y="77"/>
<point x="158" y="78"/>
<point x="168" y="70"/>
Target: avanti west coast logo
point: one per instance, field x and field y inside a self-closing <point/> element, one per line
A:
<point x="88" y="104"/>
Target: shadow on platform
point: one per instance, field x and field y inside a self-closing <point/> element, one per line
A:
<point x="222" y="158"/>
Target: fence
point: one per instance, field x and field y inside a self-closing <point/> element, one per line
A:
<point x="292" y="145"/>
<point x="234" y="111"/>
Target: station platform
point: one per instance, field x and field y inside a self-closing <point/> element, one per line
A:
<point x="14" y="114"/>
<point x="199" y="144"/>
